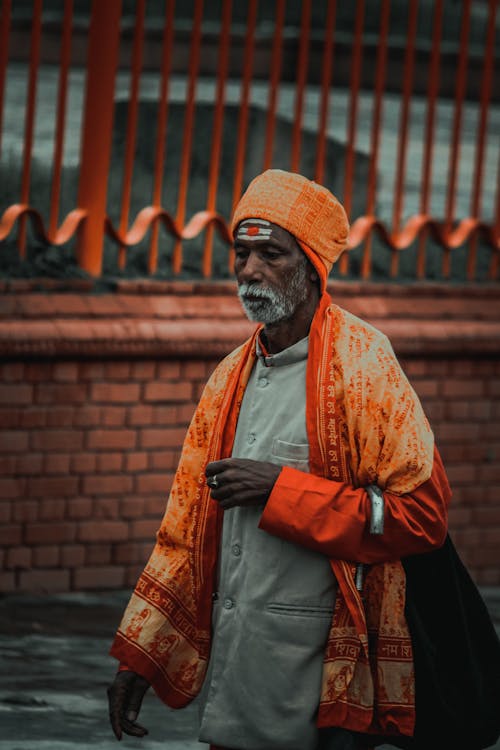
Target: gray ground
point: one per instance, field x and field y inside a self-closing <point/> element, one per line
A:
<point x="54" y="670"/>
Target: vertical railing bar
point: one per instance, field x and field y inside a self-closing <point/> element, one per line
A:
<point x="380" y="74"/>
<point x="36" y="32"/>
<point x="213" y="176"/>
<point x="97" y="131"/>
<point x="61" y="114"/>
<point x="4" y="57"/>
<point x="432" y="93"/>
<point x="241" y="138"/>
<point x="276" y="56"/>
<point x="353" y="114"/>
<point x="131" y="131"/>
<point x="326" y="78"/>
<point x="161" y="128"/>
<point x="194" y="61"/>
<point x="301" y="79"/>
<point x="408" y="69"/>
<point x="487" y="79"/>
<point x="455" y="139"/>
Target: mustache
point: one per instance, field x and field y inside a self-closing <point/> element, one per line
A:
<point x="255" y="290"/>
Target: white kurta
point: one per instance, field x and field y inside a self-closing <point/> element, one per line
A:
<point x="274" y="605"/>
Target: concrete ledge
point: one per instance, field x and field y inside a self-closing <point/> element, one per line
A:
<point x="205" y="320"/>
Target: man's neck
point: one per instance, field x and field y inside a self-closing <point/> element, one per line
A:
<point x="285" y="333"/>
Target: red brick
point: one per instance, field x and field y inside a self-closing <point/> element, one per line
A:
<point x="98" y="554"/>
<point x="47" y="486"/>
<point x="12" y="371"/>
<point x="37" y="372"/>
<point x="109" y="462"/>
<point x="79" y="507"/>
<point x="487" y="517"/>
<point x="144" y="529"/>
<point x="132" y="574"/>
<point x="165" y="415"/>
<point x="169" y="370"/>
<point x="127" y="553"/>
<point x="461" y="474"/>
<point x="60" y="416"/>
<point x="14" y="441"/>
<point x="151" y="483"/>
<point x="490" y="431"/>
<point x="194" y="370"/>
<point x="161" y="391"/>
<point x="18" y="557"/>
<point x="113" y="416"/>
<point x="44" y="580"/>
<point x="103" y="484"/>
<point x="102" y="531"/>
<point x="25" y="511"/>
<point x="124" y="393"/>
<point x="106" y="507"/>
<point x="51" y="510"/>
<point x="457" y="433"/>
<point x="117" y="370"/>
<point x="136" y="462"/>
<point x="5" y="511"/>
<point x="61" y="393"/>
<point x="155" y="505"/>
<point x="12" y="487"/>
<point x="83" y="463"/>
<point x="490" y="473"/>
<point x="162" y="438"/>
<point x="57" y="440"/>
<point x="109" y="439"/>
<point x="184" y="413"/>
<point x="164" y="460"/>
<point x="33" y="417"/>
<point x="16" y="393"/>
<point x="29" y="464"/>
<point x="92" y="370"/>
<point x="50" y="533"/>
<point x="131" y="507"/>
<point x="66" y="372"/>
<point x="457" y="410"/>
<point x="46" y="557"/>
<point x="140" y="414"/>
<point x="72" y="555"/>
<point x="459" y="516"/>
<point x="87" y="416"/>
<point x="10" y="418"/>
<point x="143" y="370"/>
<point x="101" y="577"/>
<point x="462" y="387"/>
<point x="7" y="582"/>
<point x="57" y="463"/>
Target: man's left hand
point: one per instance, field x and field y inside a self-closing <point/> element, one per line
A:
<point x="241" y="481"/>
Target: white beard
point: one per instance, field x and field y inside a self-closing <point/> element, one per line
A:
<point x="272" y="305"/>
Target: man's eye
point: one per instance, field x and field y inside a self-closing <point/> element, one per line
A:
<point x="270" y="254"/>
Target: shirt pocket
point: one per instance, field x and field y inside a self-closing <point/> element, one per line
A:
<point x="295" y="455"/>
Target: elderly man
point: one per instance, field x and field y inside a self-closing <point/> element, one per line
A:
<point x="275" y="590"/>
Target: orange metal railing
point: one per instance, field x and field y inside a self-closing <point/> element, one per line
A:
<point x="303" y="61"/>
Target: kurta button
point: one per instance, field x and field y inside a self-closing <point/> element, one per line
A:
<point x="251" y="438"/>
<point x="236" y="550"/>
<point x="263" y="382"/>
<point x="228" y="603"/>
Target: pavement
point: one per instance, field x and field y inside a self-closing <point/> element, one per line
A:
<point x="55" y="668"/>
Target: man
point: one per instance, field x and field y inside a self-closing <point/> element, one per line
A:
<point x="275" y="589"/>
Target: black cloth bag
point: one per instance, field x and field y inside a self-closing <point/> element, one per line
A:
<point x="456" y="653"/>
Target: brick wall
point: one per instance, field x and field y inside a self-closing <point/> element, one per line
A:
<point x="96" y="392"/>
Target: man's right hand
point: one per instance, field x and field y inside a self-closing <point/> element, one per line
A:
<point x="125" y="696"/>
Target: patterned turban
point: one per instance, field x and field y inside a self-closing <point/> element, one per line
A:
<point x="305" y="209"/>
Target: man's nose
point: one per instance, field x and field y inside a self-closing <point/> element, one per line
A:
<point x="252" y="269"/>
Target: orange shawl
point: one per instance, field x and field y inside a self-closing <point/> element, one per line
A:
<point x="365" y="426"/>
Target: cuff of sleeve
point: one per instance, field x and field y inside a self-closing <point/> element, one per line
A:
<point x="318" y="513"/>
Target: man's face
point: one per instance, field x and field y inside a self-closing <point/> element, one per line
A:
<point x="271" y="270"/>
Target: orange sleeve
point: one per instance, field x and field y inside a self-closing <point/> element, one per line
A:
<point x="334" y="517"/>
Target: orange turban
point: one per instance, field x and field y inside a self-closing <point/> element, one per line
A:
<point x="305" y="209"/>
